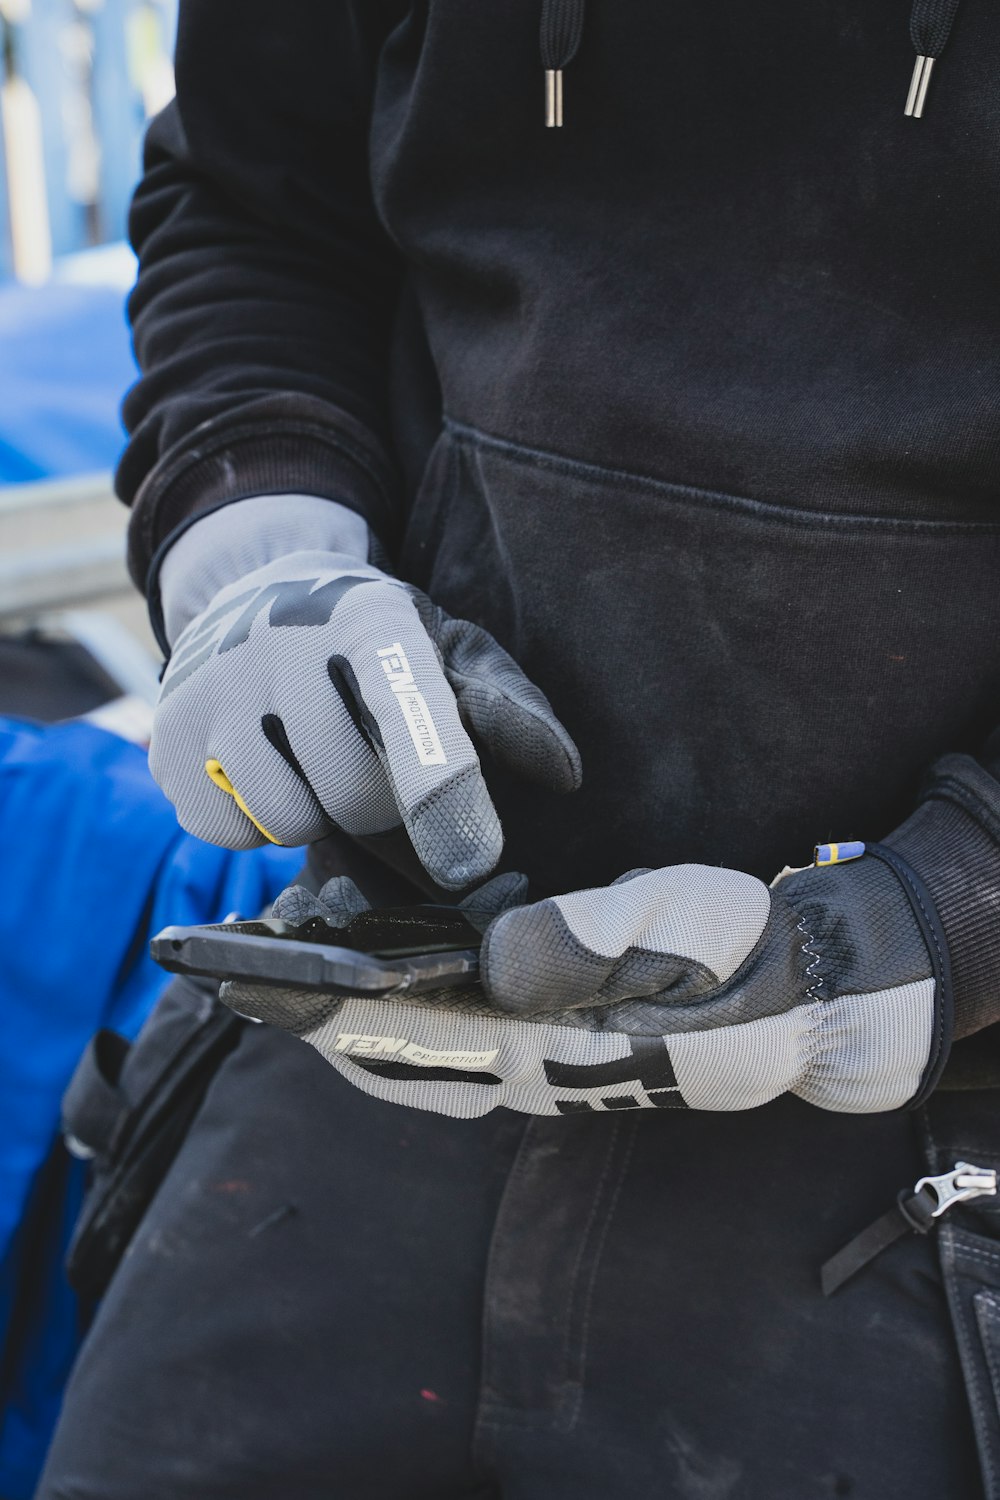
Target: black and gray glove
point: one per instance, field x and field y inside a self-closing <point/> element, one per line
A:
<point x="698" y="987"/>
<point x="316" y="690"/>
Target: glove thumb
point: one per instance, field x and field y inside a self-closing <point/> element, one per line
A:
<point x="499" y="706"/>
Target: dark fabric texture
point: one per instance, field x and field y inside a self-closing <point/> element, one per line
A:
<point x="132" y="1107"/>
<point x="725" y="271"/>
<point x="953" y="842"/>
<point x="930" y="25"/>
<point x="561" y="29"/>
<point x="274" y="223"/>
<point x="334" y="1296"/>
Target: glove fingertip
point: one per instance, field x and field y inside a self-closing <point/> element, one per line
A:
<point x="459" y="873"/>
<point x="503" y="708"/>
<point x="456" y="832"/>
<point x="515" y="959"/>
<point x="296" y="904"/>
<point x="342" y="901"/>
<point x="236" y="833"/>
<point x="338" y="902"/>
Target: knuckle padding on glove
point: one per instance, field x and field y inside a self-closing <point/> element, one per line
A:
<point x="533" y="963"/>
<point x="685" y="929"/>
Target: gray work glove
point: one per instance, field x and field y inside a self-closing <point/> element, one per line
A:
<point x="316" y="690"/>
<point x="686" y="987"/>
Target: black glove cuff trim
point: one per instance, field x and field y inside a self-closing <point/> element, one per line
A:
<point x="927" y="919"/>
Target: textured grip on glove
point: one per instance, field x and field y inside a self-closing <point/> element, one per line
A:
<point x="673" y="934"/>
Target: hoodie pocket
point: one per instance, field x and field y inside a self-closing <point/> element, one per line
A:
<point x="744" y="679"/>
<point x="430" y="510"/>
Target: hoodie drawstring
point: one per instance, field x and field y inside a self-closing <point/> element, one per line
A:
<point x="930" y="27"/>
<point x="562" y="27"/>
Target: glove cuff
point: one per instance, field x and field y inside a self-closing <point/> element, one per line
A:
<point x="953" y="842"/>
<point x="236" y="539"/>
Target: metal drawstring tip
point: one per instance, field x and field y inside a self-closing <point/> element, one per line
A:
<point x="553" y="96"/>
<point x="922" y="69"/>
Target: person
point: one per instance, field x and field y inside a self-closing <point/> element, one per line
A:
<point x="566" y="450"/>
<point x="76" y="797"/>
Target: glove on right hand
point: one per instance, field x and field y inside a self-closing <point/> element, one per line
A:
<point x="717" y="992"/>
<point x="320" y="690"/>
<point x="685" y="987"/>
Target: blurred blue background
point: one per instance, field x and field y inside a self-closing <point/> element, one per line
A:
<point x="78" y="80"/>
<point x="65" y="362"/>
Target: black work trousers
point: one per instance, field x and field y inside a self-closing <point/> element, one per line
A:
<point x="333" y="1298"/>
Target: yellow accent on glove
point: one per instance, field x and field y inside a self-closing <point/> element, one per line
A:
<point x="218" y="775"/>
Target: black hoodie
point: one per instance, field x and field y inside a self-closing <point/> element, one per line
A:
<point x="693" y="402"/>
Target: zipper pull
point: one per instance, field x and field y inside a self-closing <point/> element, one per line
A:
<point x="916" y="1210"/>
<point x="960" y="1185"/>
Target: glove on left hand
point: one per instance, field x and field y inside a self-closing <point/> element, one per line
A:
<point x="683" y="987"/>
<point x="320" y="692"/>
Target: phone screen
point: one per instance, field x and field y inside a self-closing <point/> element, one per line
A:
<point x="392" y="932"/>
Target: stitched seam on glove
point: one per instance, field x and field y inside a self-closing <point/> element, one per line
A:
<point x="816" y="959"/>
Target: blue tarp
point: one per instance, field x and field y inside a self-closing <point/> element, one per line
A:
<point x="65" y="363"/>
<point x="92" y="860"/>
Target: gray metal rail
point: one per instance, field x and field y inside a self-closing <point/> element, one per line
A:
<point x="85" y="559"/>
<point x="62" y="546"/>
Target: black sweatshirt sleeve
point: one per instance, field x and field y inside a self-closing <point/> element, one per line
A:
<point x="953" y="842"/>
<point x="266" y="285"/>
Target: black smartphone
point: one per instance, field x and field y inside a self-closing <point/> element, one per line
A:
<point x="394" y="951"/>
